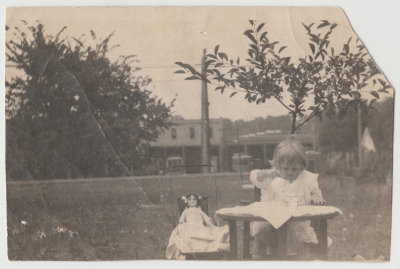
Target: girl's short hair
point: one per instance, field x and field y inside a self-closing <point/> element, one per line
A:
<point x="290" y="149"/>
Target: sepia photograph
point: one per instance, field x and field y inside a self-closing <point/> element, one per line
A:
<point x="223" y="133"/>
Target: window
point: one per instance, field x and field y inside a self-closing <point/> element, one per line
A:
<point x="191" y="132"/>
<point x="173" y="133"/>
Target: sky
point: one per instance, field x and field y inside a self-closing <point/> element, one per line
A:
<point x="161" y="36"/>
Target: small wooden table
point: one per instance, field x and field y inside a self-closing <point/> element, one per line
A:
<point x="279" y="249"/>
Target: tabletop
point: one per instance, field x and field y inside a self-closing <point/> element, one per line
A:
<point x="318" y="214"/>
<point x="250" y="217"/>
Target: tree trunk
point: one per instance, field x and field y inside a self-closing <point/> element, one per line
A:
<point x="293" y="129"/>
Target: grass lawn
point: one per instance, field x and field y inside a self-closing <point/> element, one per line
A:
<point x="109" y="219"/>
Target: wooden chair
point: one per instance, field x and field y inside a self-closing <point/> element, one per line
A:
<point x="215" y="255"/>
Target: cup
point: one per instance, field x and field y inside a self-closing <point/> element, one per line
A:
<point x="292" y="202"/>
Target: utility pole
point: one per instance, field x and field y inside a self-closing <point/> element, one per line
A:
<point x="240" y="150"/>
<point x="314" y="134"/>
<point x="359" y="136"/>
<point x="205" y="122"/>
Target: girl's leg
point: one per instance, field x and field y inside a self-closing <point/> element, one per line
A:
<point x="301" y="237"/>
<point x="260" y="231"/>
<point x="260" y="246"/>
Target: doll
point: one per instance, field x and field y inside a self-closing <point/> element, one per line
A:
<point x="195" y="232"/>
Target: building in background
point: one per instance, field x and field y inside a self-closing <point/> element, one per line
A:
<point x="181" y="145"/>
<point x="183" y="139"/>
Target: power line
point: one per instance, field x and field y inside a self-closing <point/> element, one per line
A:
<point x="172" y="80"/>
<point x="143" y="67"/>
<point x="162" y="66"/>
<point x="169" y="80"/>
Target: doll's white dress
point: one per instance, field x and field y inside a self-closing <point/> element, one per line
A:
<point x="195" y="233"/>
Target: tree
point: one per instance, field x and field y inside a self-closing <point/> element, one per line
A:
<point x="73" y="112"/>
<point x="379" y="120"/>
<point x="332" y="80"/>
<point x="345" y="133"/>
<point x="338" y="133"/>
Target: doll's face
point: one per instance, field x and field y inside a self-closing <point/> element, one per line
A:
<point x="192" y="201"/>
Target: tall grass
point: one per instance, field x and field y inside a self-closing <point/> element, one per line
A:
<point x="109" y="219"/>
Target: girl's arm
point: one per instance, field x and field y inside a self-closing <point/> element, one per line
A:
<point x="261" y="178"/>
<point x="316" y="194"/>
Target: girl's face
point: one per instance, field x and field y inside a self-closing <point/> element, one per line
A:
<point x="192" y="201"/>
<point x="290" y="170"/>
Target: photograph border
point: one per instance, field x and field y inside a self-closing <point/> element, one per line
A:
<point x="361" y="18"/>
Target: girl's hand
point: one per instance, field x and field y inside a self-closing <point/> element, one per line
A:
<point x="317" y="201"/>
<point x="273" y="173"/>
<point x="260" y="175"/>
<point x="254" y="175"/>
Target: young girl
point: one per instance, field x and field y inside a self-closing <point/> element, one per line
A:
<point x="195" y="232"/>
<point x="290" y="184"/>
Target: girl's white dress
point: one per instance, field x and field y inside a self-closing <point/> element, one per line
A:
<point x="196" y="233"/>
<point x="300" y="191"/>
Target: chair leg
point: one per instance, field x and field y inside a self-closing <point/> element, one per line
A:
<point x="246" y="240"/>
<point x="232" y="239"/>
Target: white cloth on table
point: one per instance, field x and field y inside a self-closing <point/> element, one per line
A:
<point x="276" y="213"/>
<point x="273" y="212"/>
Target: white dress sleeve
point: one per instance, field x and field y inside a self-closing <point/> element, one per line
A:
<point x="182" y="219"/>
<point x="260" y="178"/>
<point x="254" y="178"/>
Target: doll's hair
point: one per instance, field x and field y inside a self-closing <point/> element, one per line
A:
<point x="290" y="150"/>
<point x="202" y="202"/>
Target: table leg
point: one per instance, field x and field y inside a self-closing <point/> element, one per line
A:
<point x="322" y="235"/>
<point x="232" y="239"/>
<point x="246" y="240"/>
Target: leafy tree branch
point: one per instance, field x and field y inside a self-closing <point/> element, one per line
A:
<point x="331" y="79"/>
